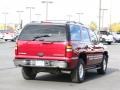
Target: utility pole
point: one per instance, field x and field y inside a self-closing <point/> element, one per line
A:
<point x="47" y="2"/>
<point x="30" y="8"/>
<point x="79" y="16"/>
<point x="99" y="15"/>
<point x="5" y="14"/>
<point x="69" y="17"/>
<point x="103" y="11"/>
<point x="20" y="20"/>
<point x="38" y="16"/>
<point x="110" y="16"/>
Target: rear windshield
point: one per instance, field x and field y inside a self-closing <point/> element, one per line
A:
<point x="104" y="33"/>
<point x="43" y="32"/>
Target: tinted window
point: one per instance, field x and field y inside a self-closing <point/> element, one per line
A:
<point x="75" y="32"/>
<point x="55" y="32"/>
<point x="104" y="33"/>
<point x="85" y="35"/>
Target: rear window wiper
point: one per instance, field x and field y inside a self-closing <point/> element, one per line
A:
<point x="36" y="37"/>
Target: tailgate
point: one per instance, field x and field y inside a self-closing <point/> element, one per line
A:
<point x="37" y="49"/>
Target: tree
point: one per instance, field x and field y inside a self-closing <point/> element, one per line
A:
<point x="2" y="26"/>
<point x="93" y="26"/>
<point x="115" y="27"/>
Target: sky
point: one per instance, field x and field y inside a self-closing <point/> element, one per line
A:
<point x="59" y="10"/>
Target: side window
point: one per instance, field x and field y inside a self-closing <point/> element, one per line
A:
<point x="75" y="32"/>
<point x="85" y="35"/>
<point x="93" y="36"/>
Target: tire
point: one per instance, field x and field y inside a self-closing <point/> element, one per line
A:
<point x="78" y="74"/>
<point x="5" y="39"/>
<point x="13" y="40"/>
<point x="103" y="65"/>
<point x="28" y="73"/>
<point x="109" y="43"/>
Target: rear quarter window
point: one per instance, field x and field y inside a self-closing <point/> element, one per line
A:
<point x="75" y="32"/>
<point x="85" y="35"/>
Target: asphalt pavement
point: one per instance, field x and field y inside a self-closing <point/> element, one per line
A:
<point x="11" y="78"/>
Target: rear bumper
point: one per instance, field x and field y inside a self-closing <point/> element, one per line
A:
<point x="41" y="63"/>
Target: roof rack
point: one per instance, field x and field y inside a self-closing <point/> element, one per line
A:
<point x="74" y="22"/>
<point x="54" y="21"/>
<point x="81" y="23"/>
<point x="46" y="22"/>
<point x="71" y="22"/>
<point x="35" y="22"/>
<point x="61" y="21"/>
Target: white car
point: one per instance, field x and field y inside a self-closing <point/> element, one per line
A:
<point x="1" y="35"/>
<point x="106" y="37"/>
<point x="116" y="36"/>
<point x="9" y="36"/>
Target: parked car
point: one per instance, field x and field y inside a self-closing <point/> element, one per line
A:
<point x="9" y="35"/>
<point x="1" y="35"/>
<point x="116" y="36"/>
<point x="106" y="37"/>
<point x="59" y="48"/>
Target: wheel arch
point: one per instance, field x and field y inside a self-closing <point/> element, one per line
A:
<point x="83" y="56"/>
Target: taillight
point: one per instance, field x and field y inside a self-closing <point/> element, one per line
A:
<point x="69" y="51"/>
<point x="69" y="48"/>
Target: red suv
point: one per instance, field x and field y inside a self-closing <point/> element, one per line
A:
<point x="59" y="48"/>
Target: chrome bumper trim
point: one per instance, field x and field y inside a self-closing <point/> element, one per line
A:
<point x="40" y="63"/>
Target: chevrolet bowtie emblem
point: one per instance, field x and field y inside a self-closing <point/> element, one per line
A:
<point x="41" y="54"/>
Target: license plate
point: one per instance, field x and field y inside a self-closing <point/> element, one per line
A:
<point x="40" y="63"/>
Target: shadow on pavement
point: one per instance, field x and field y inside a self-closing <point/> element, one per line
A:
<point x="56" y="78"/>
<point x="90" y="75"/>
